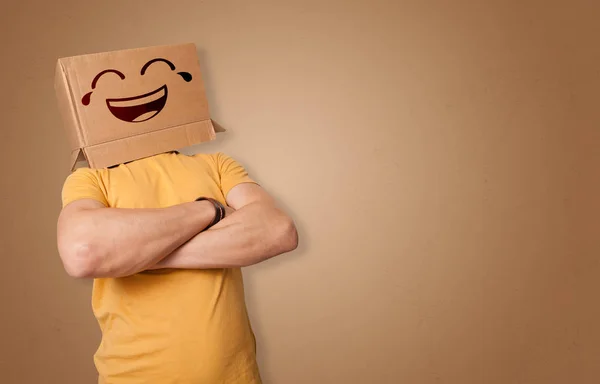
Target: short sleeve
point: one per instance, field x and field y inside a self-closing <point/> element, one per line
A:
<point x="82" y="184"/>
<point x="231" y="173"/>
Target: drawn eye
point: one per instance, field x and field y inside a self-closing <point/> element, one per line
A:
<point x="184" y="75"/>
<point x="85" y="100"/>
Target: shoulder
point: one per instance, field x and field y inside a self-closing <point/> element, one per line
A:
<point x="229" y="171"/>
<point x="82" y="176"/>
<point x="220" y="160"/>
<point x="84" y="183"/>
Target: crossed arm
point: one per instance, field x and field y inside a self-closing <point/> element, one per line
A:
<point x="95" y="241"/>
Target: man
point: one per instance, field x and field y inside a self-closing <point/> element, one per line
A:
<point x="168" y="291"/>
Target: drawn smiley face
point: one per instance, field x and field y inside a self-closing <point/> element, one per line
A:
<point x="136" y="109"/>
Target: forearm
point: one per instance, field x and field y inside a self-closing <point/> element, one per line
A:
<point x="112" y="242"/>
<point x="250" y="235"/>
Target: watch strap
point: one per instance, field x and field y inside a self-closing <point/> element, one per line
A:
<point x="219" y="210"/>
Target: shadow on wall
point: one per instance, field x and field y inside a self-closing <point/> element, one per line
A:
<point x="208" y="84"/>
<point x="253" y="274"/>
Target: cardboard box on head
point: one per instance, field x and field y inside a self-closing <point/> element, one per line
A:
<point x="125" y="105"/>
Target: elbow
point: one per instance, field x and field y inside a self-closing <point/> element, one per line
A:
<point x="287" y="239"/>
<point x="78" y="260"/>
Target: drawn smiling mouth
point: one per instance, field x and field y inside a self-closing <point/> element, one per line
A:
<point x="139" y="108"/>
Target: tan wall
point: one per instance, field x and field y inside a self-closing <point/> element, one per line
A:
<point x="440" y="157"/>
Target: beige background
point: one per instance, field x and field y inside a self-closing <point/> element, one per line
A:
<point x="440" y="158"/>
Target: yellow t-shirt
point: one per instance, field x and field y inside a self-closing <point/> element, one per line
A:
<point x="176" y="326"/>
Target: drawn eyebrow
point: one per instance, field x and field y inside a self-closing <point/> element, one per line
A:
<point x="171" y="65"/>
<point x="121" y="75"/>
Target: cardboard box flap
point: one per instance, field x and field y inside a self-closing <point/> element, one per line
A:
<point x="76" y="157"/>
<point x="148" y="144"/>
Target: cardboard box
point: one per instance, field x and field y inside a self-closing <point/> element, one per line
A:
<point x="125" y="105"/>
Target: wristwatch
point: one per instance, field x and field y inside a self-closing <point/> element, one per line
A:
<point x="219" y="210"/>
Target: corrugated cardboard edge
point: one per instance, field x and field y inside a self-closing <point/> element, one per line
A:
<point x="68" y="112"/>
<point x="149" y="144"/>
